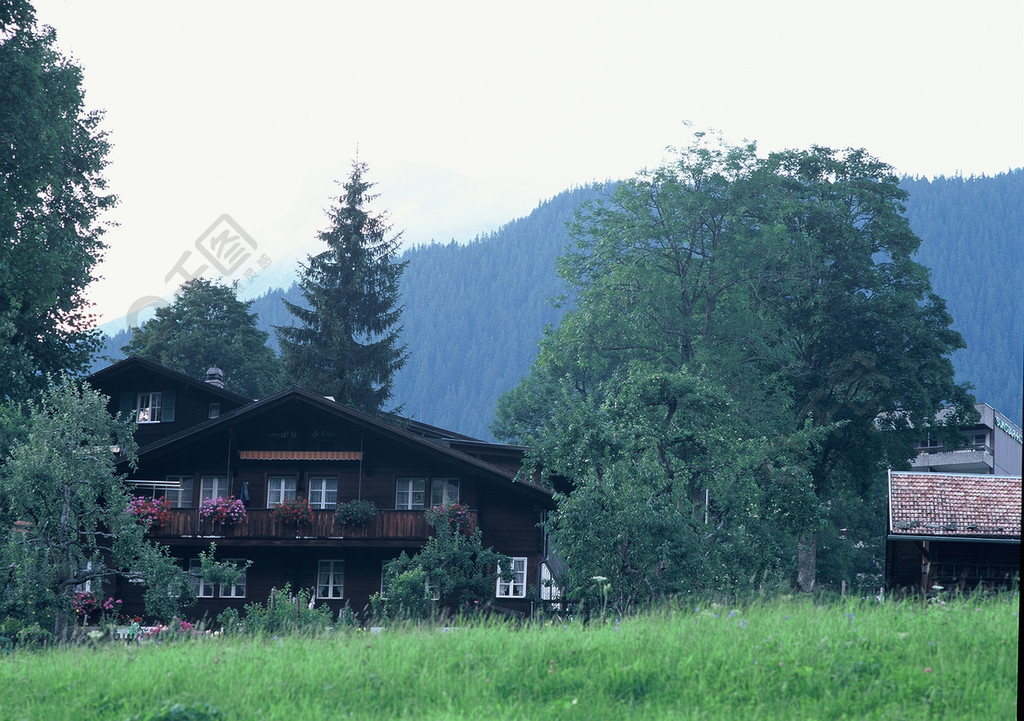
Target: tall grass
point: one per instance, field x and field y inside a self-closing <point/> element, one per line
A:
<point x="780" y="660"/>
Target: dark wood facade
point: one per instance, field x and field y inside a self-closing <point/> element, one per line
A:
<point x="295" y="442"/>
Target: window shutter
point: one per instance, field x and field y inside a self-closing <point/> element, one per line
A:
<point x="167" y="407"/>
<point x="125" y="405"/>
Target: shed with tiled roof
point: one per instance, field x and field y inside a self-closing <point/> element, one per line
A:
<point x="953" y="531"/>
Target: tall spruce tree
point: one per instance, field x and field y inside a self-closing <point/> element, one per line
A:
<point x="345" y="343"/>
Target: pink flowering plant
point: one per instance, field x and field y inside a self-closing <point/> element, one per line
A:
<point x="294" y="512"/>
<point x="454" y="517"/>
<point x="150" y="512"/>
<point x="222" y="510"/>
<point x="86" y="603"/>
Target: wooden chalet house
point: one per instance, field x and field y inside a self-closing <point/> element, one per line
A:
<point x="951" y="531"/>
<point x="296" y="444"/>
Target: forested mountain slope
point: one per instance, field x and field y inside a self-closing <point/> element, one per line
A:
<point x="973" y="233"/>
<point x="474" y="312"/>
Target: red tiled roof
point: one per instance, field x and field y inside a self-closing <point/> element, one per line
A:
<point x="951" y="505"/>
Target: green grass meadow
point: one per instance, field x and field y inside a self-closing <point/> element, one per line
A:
<point x="784" y="659"/>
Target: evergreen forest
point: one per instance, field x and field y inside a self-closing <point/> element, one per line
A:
<point x="474" y="312"/>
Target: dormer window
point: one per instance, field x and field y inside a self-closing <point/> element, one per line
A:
<point x="147" y="408"/>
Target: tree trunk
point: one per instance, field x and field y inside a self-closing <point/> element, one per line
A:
<point x="62" y="626"/>
<point x="806" y="554"/>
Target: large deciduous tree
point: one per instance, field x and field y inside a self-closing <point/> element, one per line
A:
<point x="345" y="342"/>
<point x="788" y="286"/>
<point x="859" y="340"/>
<point x="207" y="325"/>
<point x="52" y="192"/>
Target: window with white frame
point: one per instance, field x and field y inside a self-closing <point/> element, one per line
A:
<point x="409" y="494"/>
<point x="330" y="579"/>
<point x="180" y="497"/>
<point x="444" y="491"/>
<point x="234" y="590"/>
<point x="323" y="492"/>
<point x="147" y="408"/>
<point x="280" y="489"/>
<point x="201" y="588"/>
<point x="85" y="586"/>
<point x="549" y="590"/>
<point x="515" y="588"/>
<point x="213" y="487"/>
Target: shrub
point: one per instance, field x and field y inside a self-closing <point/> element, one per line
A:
<point x="408" y="592"/>
<point x="355" y="512"/>
<point x="286" y="612"/>
<point x="229" y="620"/>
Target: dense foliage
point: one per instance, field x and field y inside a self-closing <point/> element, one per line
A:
<point x="207" y="325"/>
<point x="750" y="336"/>
<point x="63" y="519"/>
<point x="52" y="193"/>
<point x="452" y="573"/>
<point x="345" y="339"/>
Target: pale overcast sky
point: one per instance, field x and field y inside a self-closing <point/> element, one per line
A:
<point x="470" y="113"/>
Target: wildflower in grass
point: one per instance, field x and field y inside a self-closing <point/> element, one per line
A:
<point x="928" y="670"/>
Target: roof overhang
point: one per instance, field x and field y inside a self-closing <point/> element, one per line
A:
<point x="959" y="539"/>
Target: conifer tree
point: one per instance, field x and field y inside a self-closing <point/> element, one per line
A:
<point x="345" y="341"/>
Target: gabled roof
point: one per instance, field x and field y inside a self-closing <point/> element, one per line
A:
<point x="947" y="505"/>
<point x="139" y="364"/>
<point x="295" y="395"/>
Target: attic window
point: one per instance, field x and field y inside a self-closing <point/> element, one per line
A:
<point x="147" y="408"/>
<point x="214" y="410"/>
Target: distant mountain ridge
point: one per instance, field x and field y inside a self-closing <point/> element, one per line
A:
<point x="474" y="312"/>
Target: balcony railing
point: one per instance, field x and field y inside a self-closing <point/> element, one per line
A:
<point x="260" y="523"/>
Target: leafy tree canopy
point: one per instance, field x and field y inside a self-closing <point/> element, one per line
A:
<point x="206" y="326"/>
<point x="345" y="342"/>
<point x="454" y="566"/>
<point x="786" y="288"/>
<point x="63" y="519"/>
<point x="52" y="192"/>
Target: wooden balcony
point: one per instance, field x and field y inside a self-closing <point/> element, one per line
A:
<point x="261" y="524"/>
